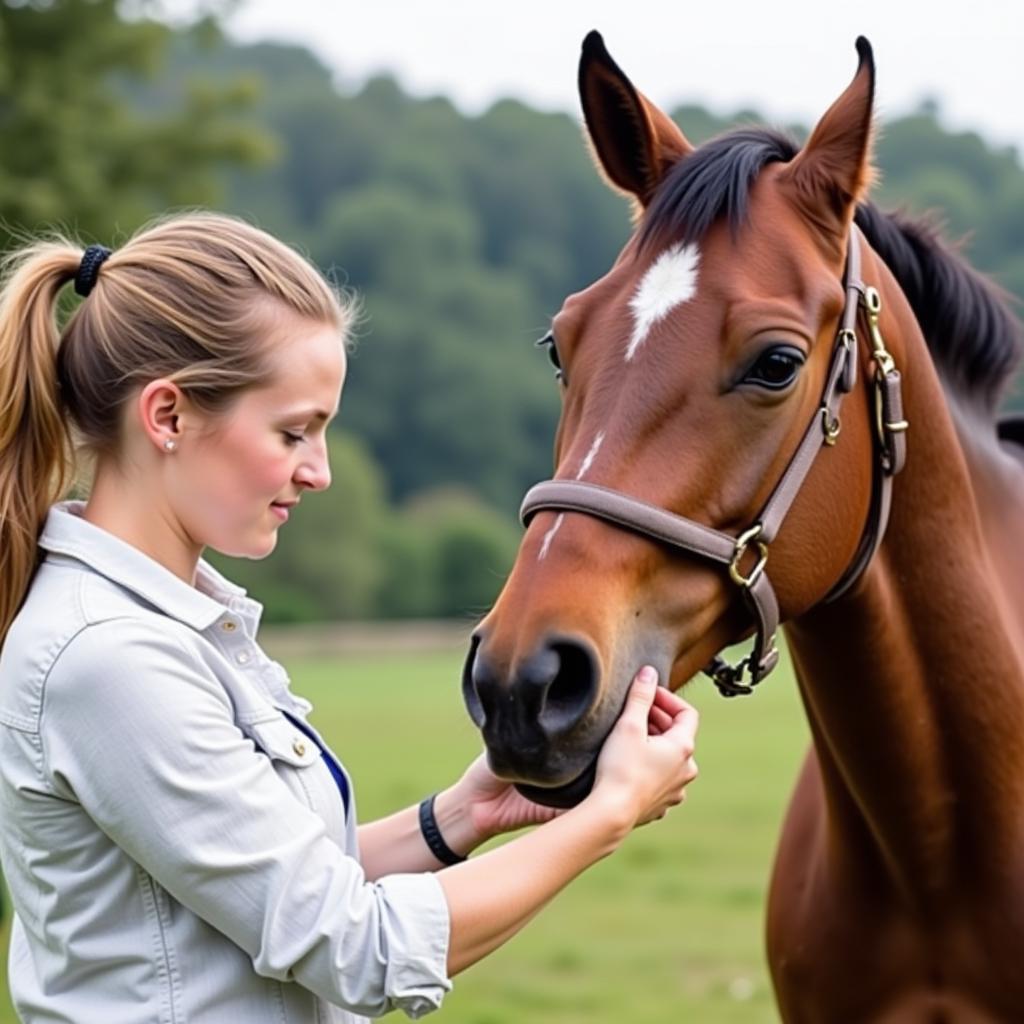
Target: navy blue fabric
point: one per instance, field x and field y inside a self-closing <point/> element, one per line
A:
<point x="332" y="765"/>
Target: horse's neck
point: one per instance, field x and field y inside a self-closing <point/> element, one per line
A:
<point x="914" y="681"/>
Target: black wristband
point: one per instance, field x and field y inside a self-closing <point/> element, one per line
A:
<point x="432" y="834"/>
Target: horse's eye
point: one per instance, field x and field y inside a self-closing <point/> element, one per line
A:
<point x="548" y="342"/>
<point x="775" y="368"/>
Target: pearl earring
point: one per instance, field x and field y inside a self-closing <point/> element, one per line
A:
<point x="170" y="445"/>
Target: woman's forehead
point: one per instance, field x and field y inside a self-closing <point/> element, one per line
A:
<point x="308" y="369"/>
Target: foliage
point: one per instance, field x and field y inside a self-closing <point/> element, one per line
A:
<point x="472" y="548"/>
<point x="76" y="150"/>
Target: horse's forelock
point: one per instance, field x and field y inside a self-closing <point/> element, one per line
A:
<point x="710" y="184"/>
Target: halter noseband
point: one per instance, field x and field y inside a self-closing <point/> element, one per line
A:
<point x="687" y="535"/>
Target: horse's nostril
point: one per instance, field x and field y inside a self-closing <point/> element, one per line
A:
<point x="540" y="671"/>
<point x="542" y="699"/>
<point x="470" y="691"/>
<point x="572" y="688"/>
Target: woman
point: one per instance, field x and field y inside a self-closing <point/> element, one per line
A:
<point x="179" y="842"/>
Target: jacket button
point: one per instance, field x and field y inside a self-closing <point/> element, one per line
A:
<point x="228" y="626"/>
<point x="299" y="747"/>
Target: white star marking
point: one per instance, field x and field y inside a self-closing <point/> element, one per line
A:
<point x="670" y="280"/>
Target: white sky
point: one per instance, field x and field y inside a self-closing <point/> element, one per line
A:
<point x="786" y="58"/>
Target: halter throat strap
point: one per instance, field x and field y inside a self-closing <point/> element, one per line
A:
<point x="695" y="538"/>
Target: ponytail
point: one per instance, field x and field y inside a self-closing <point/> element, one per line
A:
<point x="36" y="454"/>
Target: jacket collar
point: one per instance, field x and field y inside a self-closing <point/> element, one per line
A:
<point x="65" y="532"/>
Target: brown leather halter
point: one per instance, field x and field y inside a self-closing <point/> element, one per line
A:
<point x="688" y="535"/>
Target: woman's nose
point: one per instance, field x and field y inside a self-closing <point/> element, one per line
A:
<point x="315" y="472"/>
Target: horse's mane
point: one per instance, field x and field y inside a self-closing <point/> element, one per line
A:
<point x="974" y="337"/>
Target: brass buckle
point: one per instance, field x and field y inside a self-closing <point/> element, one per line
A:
<point x="872" y="303"/>
<point x="743" y="541"/>
<point x="830" y="427"/>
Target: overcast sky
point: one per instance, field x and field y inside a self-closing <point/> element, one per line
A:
<point x="787" y="58"/>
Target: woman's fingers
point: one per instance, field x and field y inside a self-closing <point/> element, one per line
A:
<point x="640" y="699"/>
<point x="669" y="701"/>
<point x="683" y="730"/>
<point x="647" y="759"/>
<point x="658" y="721"/>
<point x="667" y="706"/>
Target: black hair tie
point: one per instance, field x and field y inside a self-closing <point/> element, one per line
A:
<point x="89" y="268"/>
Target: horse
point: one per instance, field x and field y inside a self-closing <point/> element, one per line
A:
<point x="780" y="404"/>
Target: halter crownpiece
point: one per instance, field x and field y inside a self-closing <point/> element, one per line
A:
<point x="676" y="531"/>
<point x="89" y="269"/>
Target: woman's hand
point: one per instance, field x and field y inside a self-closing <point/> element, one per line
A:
<point x="647" y="761"/>
<point x="480" y="806"/>
<point x="645" y="766"/>
<point x="496" y="806"/>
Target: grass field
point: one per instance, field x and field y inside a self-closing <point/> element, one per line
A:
<point x="666" y="931"/>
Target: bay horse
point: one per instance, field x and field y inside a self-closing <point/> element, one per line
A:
<point x="779" y="404"/>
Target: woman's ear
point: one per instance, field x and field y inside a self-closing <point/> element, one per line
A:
<point x="833" y="171"/>
<point x="160" y="408"/>
<point x="634" y="142"/>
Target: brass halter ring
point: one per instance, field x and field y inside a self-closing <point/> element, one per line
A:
<point x="743" y="541"/>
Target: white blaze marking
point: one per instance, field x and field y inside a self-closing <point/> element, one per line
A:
<point x="670" y="280"/>
<point x="549" y="537"/>
<point x="588" y="461"/>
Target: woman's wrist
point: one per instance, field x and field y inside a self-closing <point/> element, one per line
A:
<point x="455" y="822"/>
<point x="612" y="809"/>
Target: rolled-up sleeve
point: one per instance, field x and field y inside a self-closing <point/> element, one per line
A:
<point x="140" y="732"/>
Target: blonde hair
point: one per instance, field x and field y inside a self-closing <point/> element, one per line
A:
<point x="185" y="298"/>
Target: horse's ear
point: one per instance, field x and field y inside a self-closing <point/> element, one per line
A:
<point x="833" y="171"/>
<point x="634" y="141"/>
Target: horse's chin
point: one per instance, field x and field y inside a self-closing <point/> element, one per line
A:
<point x="569" y="794"/>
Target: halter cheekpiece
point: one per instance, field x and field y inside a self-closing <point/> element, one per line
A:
<point x="676" y="531"/>
<point x="89" y="268"/>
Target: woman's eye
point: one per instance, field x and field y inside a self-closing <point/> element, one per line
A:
<point x="776" y="368"/>
<point x="548" y="342"/>
<point x="293" y="438"/>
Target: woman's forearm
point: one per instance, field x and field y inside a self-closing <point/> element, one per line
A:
<point x="493" y="895"/>
<point x="395" y="844"/>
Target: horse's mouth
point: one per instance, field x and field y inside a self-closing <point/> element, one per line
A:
<point x="569" y="794"/>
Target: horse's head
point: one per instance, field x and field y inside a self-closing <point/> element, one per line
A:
<point x="689" y="375"/>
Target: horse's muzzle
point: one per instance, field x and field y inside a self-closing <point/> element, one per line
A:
<point x="535" y="716"/>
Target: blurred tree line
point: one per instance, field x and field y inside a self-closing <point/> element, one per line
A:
<point x="462" y="235"/>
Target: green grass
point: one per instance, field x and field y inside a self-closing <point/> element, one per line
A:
<point x="669" y="929"/>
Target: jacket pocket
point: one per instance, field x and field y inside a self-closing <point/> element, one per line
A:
<point x="282" y="741"/>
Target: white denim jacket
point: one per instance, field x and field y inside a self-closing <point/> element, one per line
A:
<point x="176" y="849"/>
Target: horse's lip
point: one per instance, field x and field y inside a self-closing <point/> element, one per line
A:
<point x="569" y="794"/>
